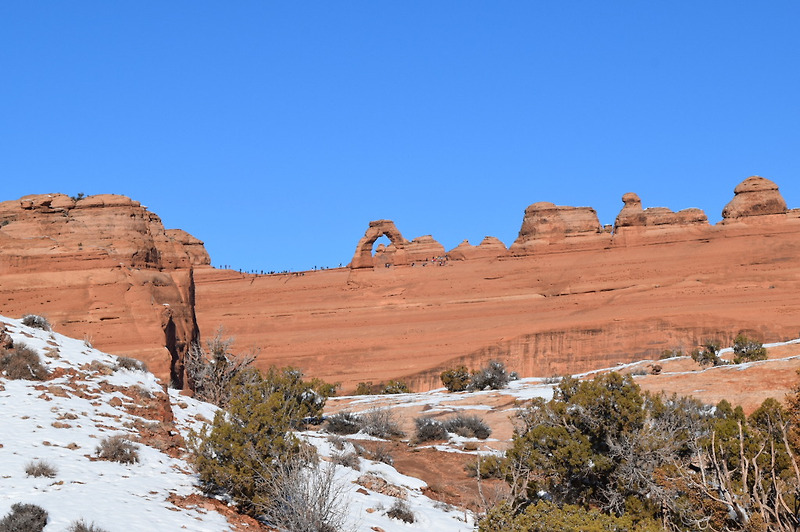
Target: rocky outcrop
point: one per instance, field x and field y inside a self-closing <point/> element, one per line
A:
<point x="424" y="248"/>
<point x="632" y="215"/>
<point x="545" y="223"/>
<point x="490" y="247"/>
<point x="755" y="196"/>
<point x="194" y="247"/>
<point x="103" y="268"/>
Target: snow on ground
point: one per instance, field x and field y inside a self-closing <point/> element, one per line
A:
<point x="38" y="424"/>
<point x="62" y="420"/>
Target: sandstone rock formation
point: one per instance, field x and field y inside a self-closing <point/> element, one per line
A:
<point x="545" y="223"/>
<point x="572" y="297"/>
<point x="103" y="268"/>
<point x="490" y="247"/>
<point x="755" y="196"/>
<point x="632" y="215"/>
<point x="193" y="247"/>
<point x="424" y="248"/>
<point x="568" y="297"/>
<point x="363" y="256"/>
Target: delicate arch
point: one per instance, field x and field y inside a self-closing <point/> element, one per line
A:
<point x="377" y="229"/>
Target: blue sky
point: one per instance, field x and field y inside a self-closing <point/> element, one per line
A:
<point x="276" y="131"/>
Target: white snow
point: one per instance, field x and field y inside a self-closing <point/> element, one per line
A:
<point x="39" y="424"/>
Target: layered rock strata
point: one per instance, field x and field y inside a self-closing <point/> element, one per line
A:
<point x="103" y="268"/>
<point x="545" y="224"/>
<point x="572" y="297"/>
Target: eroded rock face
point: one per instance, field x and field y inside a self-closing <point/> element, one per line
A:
<point x="424" y="248"/>
<point x="193" y="247"/>
<point x="490" y="247"/>
<point x="545" y="223"/>
<point x="755" y="196"/>
<point x="103" y="268"/>
<point x="632" y="215"/>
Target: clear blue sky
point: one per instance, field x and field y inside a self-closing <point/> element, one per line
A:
<point x="275" y="131"/>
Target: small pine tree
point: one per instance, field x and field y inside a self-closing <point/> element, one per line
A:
<point x="456" y="379"/>
<point x="240" y="454"/>
<point x="708" y="355"/>
<point x="394" y="386"/>
<point x="747" y="350"/>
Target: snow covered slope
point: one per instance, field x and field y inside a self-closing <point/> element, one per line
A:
<point x="88" y="397"/>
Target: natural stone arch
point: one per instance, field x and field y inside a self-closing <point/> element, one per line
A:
<point x="377" y="229"/>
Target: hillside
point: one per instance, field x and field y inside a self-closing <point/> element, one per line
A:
<point x="90" y="395"/>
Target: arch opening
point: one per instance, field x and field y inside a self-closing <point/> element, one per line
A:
<point x="366" y="252"/>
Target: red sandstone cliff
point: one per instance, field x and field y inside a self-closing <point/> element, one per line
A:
<point x="104" y="268"/>
<point x="568" y="295"/>
<point x="572" y="296"/>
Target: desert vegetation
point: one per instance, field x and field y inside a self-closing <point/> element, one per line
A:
<point x="24" y="517"/>
<point x="429" y="429"/>
<point x="118" y="448"/>
<point x="602" y="455"/>
<point x="251" y="454"/>
<point x="36" y="321"/>
<point x="493" y="376"/>
<point x="82" y="526"/>
<point x="377" y="422"/>
<point x="22" y="362"/>
<point x="40" y="468"/>
<point x="211" y="370"/>
<point x="130" y="364"/>
<point x="747" y="350"/>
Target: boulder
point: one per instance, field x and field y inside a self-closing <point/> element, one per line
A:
<point x="755" y="196"/>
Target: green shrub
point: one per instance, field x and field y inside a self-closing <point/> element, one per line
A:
<point x="364" y="388"/>
<point x="494" y="376"/>
<point x="380" y="423"/>
<point x="247" y="442"/>
<point x="400" y="510"/>
<point x="747" y="350"/>
<point x="670" y="353"/>
<point x="130" y="364"/>
<point x="37" y="322"/>
<point x="548" y="517"/>
<point x="468" y="427"/>
<point x="118" y="448"/>
<point x="487" y="466"/>
<point x="456" y="379"/>
<point x="429" y="429"/>
<point x="344" y="422"/>
<point x="81" y="526"/>
<point x="24" y="518"/>
<point x="708" y="355"/>
<point x="394" y="386"/>
<point x="40" y="468"/>
<point x="22" y="362"/>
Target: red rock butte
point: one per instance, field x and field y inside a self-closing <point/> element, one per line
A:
<point x="568" y="295"/>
